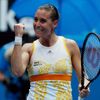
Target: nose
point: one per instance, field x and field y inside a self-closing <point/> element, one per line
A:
<point x="36" y="24"/>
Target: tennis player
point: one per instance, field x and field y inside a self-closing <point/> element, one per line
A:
<point x="49" y="60"/>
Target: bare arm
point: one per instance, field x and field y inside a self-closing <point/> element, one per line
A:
<point x="76" y="61"/>
<point x="19" y="60"/>
<point x="75" y="56"/>
<point x="20" y="55"/>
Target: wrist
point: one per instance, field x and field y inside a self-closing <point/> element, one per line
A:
<point x="19" y="35"/>
<point x="18" y="40"/>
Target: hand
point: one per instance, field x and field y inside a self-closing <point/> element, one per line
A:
<point x="84" y="93"/>
<point x="19" y="29"/>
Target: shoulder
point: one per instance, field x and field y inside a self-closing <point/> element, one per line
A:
<point x="27" y="47"/>
<point x="72" y="45"/>
<point x="70" y="42"/>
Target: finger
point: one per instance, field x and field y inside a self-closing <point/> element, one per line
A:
<point x="84" y="92"/>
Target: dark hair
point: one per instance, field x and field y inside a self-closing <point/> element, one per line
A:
<point x="53" y="9"/>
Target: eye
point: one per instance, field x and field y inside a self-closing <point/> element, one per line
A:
<point x="43" y="20"/>
<point x="35" y="19"/>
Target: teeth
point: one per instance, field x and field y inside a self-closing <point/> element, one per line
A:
<point x="38" y="29"/>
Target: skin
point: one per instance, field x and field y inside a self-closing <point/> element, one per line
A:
<point x="44" y="30"/>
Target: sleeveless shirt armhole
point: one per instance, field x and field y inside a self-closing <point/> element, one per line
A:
<point x="65" y="46"/>
<point x="33" y="47"/>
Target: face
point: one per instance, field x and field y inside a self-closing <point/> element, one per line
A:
<point x="43" y="25"/>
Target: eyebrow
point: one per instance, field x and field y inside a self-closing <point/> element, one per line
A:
<point x="41" y="19"/>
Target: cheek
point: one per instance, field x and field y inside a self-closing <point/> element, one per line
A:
<point x="50" y="27"/>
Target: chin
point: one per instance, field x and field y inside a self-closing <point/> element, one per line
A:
<point x="38" y="35"/>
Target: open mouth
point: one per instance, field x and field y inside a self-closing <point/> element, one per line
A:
<point x="38" y="29"/>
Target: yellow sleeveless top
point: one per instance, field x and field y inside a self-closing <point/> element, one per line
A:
<point x="50" y="60"/>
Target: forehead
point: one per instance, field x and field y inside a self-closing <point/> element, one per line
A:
<point x="42" y="13"/>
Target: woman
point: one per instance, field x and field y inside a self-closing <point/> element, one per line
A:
<point x="49" y="60"/>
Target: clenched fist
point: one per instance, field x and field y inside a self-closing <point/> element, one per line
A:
<point x="19" y="29"/>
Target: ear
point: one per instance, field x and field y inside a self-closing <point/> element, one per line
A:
<point x="55" y="23"/>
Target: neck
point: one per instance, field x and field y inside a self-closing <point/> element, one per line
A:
<point x="49" y="41"/>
